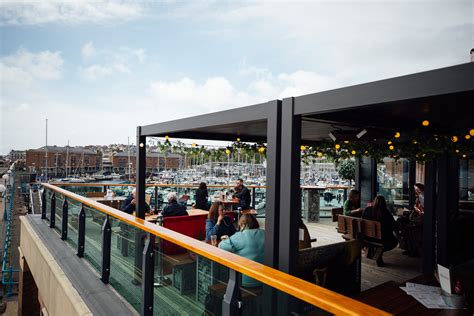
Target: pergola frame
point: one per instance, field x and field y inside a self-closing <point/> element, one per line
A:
<point x="454" y="83"/>
<point x="285" y="129"/>
<point x="256" y="123"/>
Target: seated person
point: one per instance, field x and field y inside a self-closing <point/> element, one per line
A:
<point x="217" y="223"/>
<point x="243" y="194"/>
<point x="248" y="243"/>
<point x="173" y="208"/>
<point x="129" y="205"/>
<point x="351" y="207"/>
<point x="380" y="213"/>
<point x="201" y="197"/>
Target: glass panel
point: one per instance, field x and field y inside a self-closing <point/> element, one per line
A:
<point x="59" y="212"/>
<point x="126" y="261"/>
<point x="186" y="283"/>
<point x="73" y="222"/>
<point x="466" y="184"/>
<point x="392" y="177"/>
<point x="48" y="203"/>
<point x="93" y="237"/>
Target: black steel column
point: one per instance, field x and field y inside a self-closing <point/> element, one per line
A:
<point x="253" y="198"/>
<point x="232" y="303"/>
<point x="429" y="219"/>
<point x="52" y="216"/>
<point x="106" y="243"/>
<point x="272" y="208"/>
<point x="64" y="219"/>
<point x="43" y="205"/>
<point x="141" y="173"/>
<point x="290" y="193"/>
<point x="156" y="199"/>
<point x="81" y="232"/>
<point x="411" y="183"/>
<point x="148" y="275"/>
<point x="366" y="178"/>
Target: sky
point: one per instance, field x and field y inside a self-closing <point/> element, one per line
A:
<point x="98" y="69"/>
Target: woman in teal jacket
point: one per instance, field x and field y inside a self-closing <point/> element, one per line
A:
<point x="248" y="243"/>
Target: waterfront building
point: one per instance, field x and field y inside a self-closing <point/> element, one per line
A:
<point x="155" y="162"/>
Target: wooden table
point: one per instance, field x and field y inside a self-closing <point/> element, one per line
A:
<point x="153" y="218"/>
<point x="115" y="202"/>
<point x="390" y="298"/>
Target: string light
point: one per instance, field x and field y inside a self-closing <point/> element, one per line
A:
<point x="454" y="139"/>
<point x="303" y="147"/>
<point x="167" y="137"/>
<point x="320" y="154"/>
<point x="397" y="135"/>
<point x="337" y="146"/>
<point x="227" y="151"/>
<point x="414" y="142"/>
<point x="389" y="142"/>
<point x="457" y="151"/>
<point x="464" y="156"/>
<point x="141" y="145"/>
<point x="467" y="136"/>
<point x="346" y="142"/>
<point x="261" y="150"/>
<point x="353" y="152"/>
<point x="193" y="145"/>
<point x="471" y="132"/>
<point x="238" y="139"/>
<point x="425" y="123"/>
<point x="391" y="147"/>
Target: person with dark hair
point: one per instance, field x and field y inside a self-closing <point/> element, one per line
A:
<point x="217" y="223"/>
<point x="243" y="194"/>
<point x="419" y="208"/>
<point x="351" y="206"/>
<point x="174" y="208"/>
<point x="380" y="213"/>
<point x="129" y="205"/>
<point x="248" y="243"/>
<point x="201" y="197"/>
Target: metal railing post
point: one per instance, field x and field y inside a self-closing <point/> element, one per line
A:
<point x="52" y="216"/>
<point x="156" y="199"/>
<point x="148" y="275"/>
<point x="81" y="232"/>
<point x="253" y="198"/>
<point x="43" y="205"/>
<point x="106" y="243"/>
<point x="232" y="303"/>
<point x="64" y="219"/>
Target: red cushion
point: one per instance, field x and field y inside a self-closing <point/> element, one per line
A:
<point x="192" y="226"/>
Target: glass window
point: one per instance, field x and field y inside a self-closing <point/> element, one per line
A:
<point x="392" y="179"/>
<point x="466" y="184"/>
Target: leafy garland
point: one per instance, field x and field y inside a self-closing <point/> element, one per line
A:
<point x="421" y="150"/>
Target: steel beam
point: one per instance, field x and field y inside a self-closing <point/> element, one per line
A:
<point x="81" y="232"/>
<point x="141" y="174"/>
<point x="290" y="193"/>
<point x="148" y="275"/>
<point x="429" y="219"/>
<point x="232" y="302"/>
<point x="64" y="219"/>
<point x="106" y="245"/>
<point x="52" y="216"/>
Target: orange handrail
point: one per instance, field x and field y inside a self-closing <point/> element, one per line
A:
<point x="303" y="290"/>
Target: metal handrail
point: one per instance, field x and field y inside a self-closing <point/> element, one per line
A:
<point x="303" y="290"/>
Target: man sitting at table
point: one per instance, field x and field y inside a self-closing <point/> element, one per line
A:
<point x="129" y="205"/>
<point x="243" y="194"/>
<point x="174" y="208"/>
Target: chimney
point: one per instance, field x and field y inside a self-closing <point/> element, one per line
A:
<point x="472" y="55"/>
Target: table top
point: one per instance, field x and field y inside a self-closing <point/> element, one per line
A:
<point x="191" y="212"/>
<point x="390" y="298"/>
<point x="233" y="201"/>
<point x="103" y="198"/>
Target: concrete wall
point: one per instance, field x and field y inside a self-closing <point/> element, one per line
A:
<point x="55" y="291"/>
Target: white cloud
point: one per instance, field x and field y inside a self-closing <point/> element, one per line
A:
<point x="88" y="50"/>
<point x="96" y="71"/>
<point x="68" y="12"/>
<point x="23" y="67"/>
<point x="118" y="61"/>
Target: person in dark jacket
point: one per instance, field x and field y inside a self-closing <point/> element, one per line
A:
<point x="243" y="195"/>
<point x="201" y="197"/>
<point x="174" y="208"/>
<point x="380" y="213"/>
<point x="129" y="205"/>
<point x="217" y="223"/>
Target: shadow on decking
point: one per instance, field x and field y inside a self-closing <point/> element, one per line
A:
<point x="398" y="267"/>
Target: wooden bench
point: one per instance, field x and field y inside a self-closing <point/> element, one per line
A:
<point x="335" y="212"/>
<point x="368" y="232"/>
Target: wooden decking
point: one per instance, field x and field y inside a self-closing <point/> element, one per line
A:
<point x="398" y="267"/>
